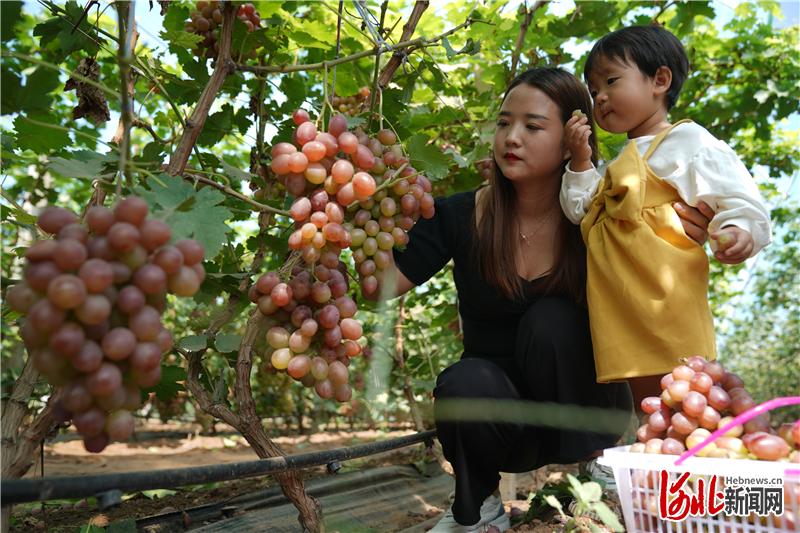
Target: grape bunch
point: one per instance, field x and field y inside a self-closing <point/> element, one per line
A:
<point x="93" y="298"/>
<point x="206" y="21"/>
<point x="699" y="397"/>
<point x="311" y="314"/>
<point x="352" y="191"/>
<point x="351" y="105"/>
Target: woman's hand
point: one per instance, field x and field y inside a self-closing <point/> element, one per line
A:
<point x="695" y="220"/>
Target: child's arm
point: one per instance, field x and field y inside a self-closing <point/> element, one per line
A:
<point x="704" y="168"/>
<point x="581" y="178"/>
<point x="742" y="218"/>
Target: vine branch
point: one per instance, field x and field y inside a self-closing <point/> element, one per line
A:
<point x="194" y="125"/>
<point x="413" y="44"/>
<point x="408" y="30"/>
<point x="523" y="29"/>
<point x="32" y="437"/>
<point x="127" y="37"/>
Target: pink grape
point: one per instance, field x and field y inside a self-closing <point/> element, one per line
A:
<point x="306" y="132"/>
<point x="337" y="125"/>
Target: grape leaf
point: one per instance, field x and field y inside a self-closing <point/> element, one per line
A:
<point x="227" y="343"/>
<point x="346" y="79"/>
<point x="182" y="39"/>
<point x="303" y="33"/>
<point x="242" y="120"/>
<point x="427" y="157"/>
<point x="83" y="164"/>
<point x="295" y="90"/>
<point x="59" y="30"/>
<point x="234" y="173"/>
<point x="267" y="8"/>
<point x="421" y="117"/>
<point x="217" y="126"/>
<point x="244" y="41"/>
<point x="448" y="48"/>
<point x="33" y="96"/>
<point x="176" y="17"/>
<point x="37" y="137"/>
<point x="193" y="343"/>
<point x="190" y="214"/>
<point x="168" y="388"/>
<point x="10" y="14"/>
<point x="11" y="93"/>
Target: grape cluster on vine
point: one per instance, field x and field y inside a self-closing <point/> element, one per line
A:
<point x="206" y="21"/>
<point x="93" y="298"/>
<point x="311" y="314"/>
<point x="351" y="190"/>
<point x="351" y="105"/>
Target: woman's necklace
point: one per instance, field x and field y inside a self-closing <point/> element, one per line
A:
<point x="526" y="238"/>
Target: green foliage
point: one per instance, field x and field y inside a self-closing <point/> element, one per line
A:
<point x="588" y="497"/>
<point x="191" y="214"/>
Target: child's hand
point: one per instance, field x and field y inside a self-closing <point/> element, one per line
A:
<point x="576" y="139"/>
<point x="733" y="245"/>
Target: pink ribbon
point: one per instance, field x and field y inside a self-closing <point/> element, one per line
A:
<point x="741" y="419"/>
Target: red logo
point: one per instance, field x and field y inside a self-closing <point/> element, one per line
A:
<point x="675" y="502"/>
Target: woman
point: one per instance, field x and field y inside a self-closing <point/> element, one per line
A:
<point x="519" y="269"/>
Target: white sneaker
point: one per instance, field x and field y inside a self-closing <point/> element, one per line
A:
<point x="492" y="514"/>
<point x="600" y="473"/>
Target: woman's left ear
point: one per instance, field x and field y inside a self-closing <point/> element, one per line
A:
<point x="662" y="80"/>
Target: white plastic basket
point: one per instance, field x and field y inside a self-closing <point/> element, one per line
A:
<point x="637" y="478"/>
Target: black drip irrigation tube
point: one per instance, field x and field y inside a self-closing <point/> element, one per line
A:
<point x="110" y="486"/>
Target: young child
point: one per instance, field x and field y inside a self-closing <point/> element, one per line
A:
<point x="647" y="281"/>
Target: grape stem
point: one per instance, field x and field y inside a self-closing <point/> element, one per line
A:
<point x="230" y="192"/>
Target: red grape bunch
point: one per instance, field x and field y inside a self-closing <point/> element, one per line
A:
<point x="314" y="334"/>
<point x="351" y="105"/>
<point x="699" y="397"/>
<point x="206" y="21"/>
<point x="93" y="298"/>
<point x="352" y="191"/>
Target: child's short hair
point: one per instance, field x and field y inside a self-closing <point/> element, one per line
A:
<point x="649" y="47"/>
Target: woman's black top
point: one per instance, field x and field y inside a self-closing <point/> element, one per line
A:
<point x="489" y="318"/>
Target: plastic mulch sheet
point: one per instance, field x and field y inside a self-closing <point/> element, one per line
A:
<point x="385" y="499"/>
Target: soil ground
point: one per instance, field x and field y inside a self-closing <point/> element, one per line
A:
<point x="162" y="446"/>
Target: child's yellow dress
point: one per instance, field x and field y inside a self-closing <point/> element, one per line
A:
<point x="647" y="281"/>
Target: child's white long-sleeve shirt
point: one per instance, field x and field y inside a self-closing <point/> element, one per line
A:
<point x="701" y="168"/>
